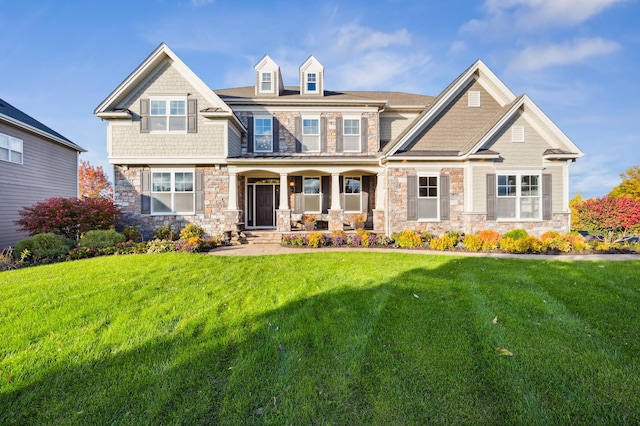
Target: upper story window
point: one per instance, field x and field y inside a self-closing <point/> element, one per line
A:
<point x="263" y="134"/>
<point x="10" y="149"/>
<point x="266" y="82"/>
<point x="518" y="196"/>
<point x="474" y="98"/>
<point x="310" y="134"/>
<point x="312" y="82"/>
<point x="172" y="192"/>
<point x="168" y="115"/>
<point x="351" y="134"/>
<point x="428" y="197"/>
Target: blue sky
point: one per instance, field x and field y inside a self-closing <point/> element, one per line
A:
<point x="577" y="59"/>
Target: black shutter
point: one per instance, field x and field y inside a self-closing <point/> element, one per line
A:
<point x="364" y="135"/>
<point x="298" y="135"/>
<point x="326" y="195"/>
<point x="298" y="203"/>
<point x="491" y="197"/>
<point x="250" y="134"/>
<point x="144" y="115"/>
<point x="145" y="192"/>
<point x="339" y="143"/>
<point x="192" y="116"/>
<point x="323" y="134"/>
<point x="412" y="197"/>
<point x="546" y="197"/>
<point x="445" y="204"/>
<point x="365" y="193"/>
<point x="199" y="191"/>
<point x="276" y="135"/>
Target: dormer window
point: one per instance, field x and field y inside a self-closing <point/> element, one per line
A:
<point x="266" y="82"/>
<point x="312" y="82"/>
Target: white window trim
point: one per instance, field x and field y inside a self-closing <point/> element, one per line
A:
<point x="473" y="97"/>
<point x="262" y="80"/>
<point x="517" y="134"/>
<point x="319" y="194"/>
<point x="319" y="134"/>
<point x="437" y="198"/>
<point x="344" y="193"/>
<point x="359" y="120"/>
<point x="255" y="120"/>
<point x="518" y="197"/>
<point x="306" y="82"/>
<point x="11" y="140"/>
<point x="168" y="100"/>
<point x="173" y="171"/>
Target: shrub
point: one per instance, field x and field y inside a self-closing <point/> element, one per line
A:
<point x="516" y="234"/>
<point x="338" y="237"/>
<point x="577" y="241"/>
<point x="383" y="241"/>
<point x="45" y="246"/>
<point x="490" y="239"/>
<point x="6" y="259"/>
<point x="132" y="233"/>
<point x="444" y="242"/>
<point x="558" y="244"/>
<point x="68" y="217"/>
<point x="408" y="239"/>
<point x="314" y="239"/>
<point x="188" y="245"/>
<point x="191" y="230"/>
<point x="549" y="235"/>
<point x="473" y="242"/>
<point x="99" y="239"/>
<point x="165" y="232"/>
<point x="355" y="240"/>
<point x="529" y="244"/>
<point x="160" y="246"/>
<point x="293" y="240"/>
<point x="82" y="253"/>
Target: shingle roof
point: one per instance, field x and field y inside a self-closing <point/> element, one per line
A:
<point x="14" y="113"/>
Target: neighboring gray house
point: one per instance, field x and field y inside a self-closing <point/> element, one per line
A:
<point x="474" y="157"/>
<point x="36" y="163"/>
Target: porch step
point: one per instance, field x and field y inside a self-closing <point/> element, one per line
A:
<point x="262" y="237"/>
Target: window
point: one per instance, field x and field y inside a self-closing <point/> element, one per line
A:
<point x="262" y="135"/>
<point x="352" y="194"/>
<point x="168" y="115"/>
<point x="266" y="82"/>
<point x="518" y="197"/>
<point x="310" y="135"/>
<point x="517" y="134"/>
<point x="10" y="149"/>
<point x="428" y="197"/>
<point x="312" y="82"/>
<point x="172" y="192"/>
<point x="312" y="194"/>
<point x="474" y="98"/>
<point x="351" y="134"/>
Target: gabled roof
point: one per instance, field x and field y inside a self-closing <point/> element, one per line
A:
<point x="157" y="57"/>
<point x="12" y="115"/>
<point x="311" y="63"/>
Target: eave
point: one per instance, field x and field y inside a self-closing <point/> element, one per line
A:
<point x="39" y="132"/>
<point x="289" y="160"/>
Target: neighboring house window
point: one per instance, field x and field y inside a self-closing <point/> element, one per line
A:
<point x="474" y="98"/>
<point x="262" y="134"/>
<point x="172" y="192"/>
<point x="353" y="194"/>
<point x="428" y="197"/>
<point x="168" y="115"/>
<point x="266" y="85"/>
<point x="312" y="83"/>
<point x="310" y="134"/>
<point x="517" y="134"/>
<point x="10" y="149"/>
<point x="351" y="134"/>
<point x="312" y="194"/>
<point x="518" y="196"/>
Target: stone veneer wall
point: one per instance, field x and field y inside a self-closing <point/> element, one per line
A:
<point x="214" y="220"/>
<point x="460" y="221"/>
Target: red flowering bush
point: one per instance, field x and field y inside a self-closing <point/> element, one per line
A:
<point x="610" y="216"/>
<point x="69" y="217"/>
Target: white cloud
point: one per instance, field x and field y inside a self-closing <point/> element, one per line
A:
<point x="354" y="38"/>
<point x="535" y="58"/>
<point x="594" y="175"/>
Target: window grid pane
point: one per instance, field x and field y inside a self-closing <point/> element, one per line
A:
<point x="352" y="185"/>
<point x="161" y="182"/>
<point x="351" y="127"/>
<point x="312" y="185"/>
<point x="158" y="108"/>
<point x="428" y="187"/>
<point x="177" y="108"/>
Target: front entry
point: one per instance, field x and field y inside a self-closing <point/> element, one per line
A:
<point x="261" y="201"/>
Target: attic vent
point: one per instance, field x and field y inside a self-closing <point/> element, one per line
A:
<point x="474" y="98"/>
<point x="517" y="134"/>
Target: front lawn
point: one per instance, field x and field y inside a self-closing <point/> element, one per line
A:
<point x="320" y="338"/>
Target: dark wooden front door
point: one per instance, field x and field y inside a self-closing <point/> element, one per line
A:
<point x="264" y="205"/>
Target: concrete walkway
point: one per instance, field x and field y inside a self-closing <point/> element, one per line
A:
<point x="274" y="249"/>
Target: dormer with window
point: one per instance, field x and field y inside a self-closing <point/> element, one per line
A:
<point x="312" y="77"/>
<point x="268" y="78"/>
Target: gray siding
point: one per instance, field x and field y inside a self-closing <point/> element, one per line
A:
<point x="519" y="154"/>
<point x="48" y="170"/>
<point x="391" y="125"/>
<point x="235" y="143"/>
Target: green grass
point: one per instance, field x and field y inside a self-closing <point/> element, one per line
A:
<point x="320" y="338"/>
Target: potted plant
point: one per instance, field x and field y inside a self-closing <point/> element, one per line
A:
<point x="309" y="223"/>
<point x="359" y="221"/>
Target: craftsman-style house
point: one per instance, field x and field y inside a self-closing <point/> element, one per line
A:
<point x="474" y="157"/>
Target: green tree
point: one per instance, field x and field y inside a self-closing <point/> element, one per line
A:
<point x="630" y="185"/>
<point x="576" y="222"/>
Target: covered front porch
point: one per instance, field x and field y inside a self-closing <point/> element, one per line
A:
<point x="283" y="198"/>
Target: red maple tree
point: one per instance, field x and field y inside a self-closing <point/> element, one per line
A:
<point x="93" y="182"/>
